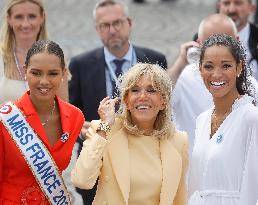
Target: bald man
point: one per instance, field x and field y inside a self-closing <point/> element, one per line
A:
<point x="190" y="96"/>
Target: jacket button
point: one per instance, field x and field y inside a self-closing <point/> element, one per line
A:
<point x="106" y="178"/>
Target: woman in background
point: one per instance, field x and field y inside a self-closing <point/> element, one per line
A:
<point x="24" y="23"/>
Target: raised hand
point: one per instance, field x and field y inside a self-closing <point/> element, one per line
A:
<point x="106" y="110"/>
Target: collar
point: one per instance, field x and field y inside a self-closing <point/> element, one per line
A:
<point x="29" y="109"/>
<point x="109" y="57"/>
<point x="244" y="33"/>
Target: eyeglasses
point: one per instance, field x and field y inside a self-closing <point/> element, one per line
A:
<point x="117" y="24"/>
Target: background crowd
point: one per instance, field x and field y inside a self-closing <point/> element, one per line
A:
<point x="166" y="30"/>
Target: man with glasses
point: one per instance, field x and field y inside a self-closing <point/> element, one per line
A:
<point x="94" y="73"/>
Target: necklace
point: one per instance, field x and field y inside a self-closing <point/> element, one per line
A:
<point x="217" y="121"/>
<point x="51" y="114"/>
<point x="20" y="70"/>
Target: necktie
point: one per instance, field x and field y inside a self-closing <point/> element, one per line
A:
<point x="118" y="71"/>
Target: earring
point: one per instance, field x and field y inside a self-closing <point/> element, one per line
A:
<point x="25" y="78"/>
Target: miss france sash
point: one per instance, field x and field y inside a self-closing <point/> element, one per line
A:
<point x="35" y="154"/>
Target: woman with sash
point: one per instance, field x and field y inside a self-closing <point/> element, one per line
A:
<point x="138" y="155"/>
<point x="24" y="23"/>
<point x="37" y="133"/>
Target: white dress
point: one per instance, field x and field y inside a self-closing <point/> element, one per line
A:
<point x="10" y="90"/>
<point x="224" y="169"/>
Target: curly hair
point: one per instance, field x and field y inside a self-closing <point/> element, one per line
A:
<point x="243" y="84"/>
<point x="161" y="82"/>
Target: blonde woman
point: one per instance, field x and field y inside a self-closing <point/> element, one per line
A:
<point x="139" y="156"/>
<point x="24" y="23"/>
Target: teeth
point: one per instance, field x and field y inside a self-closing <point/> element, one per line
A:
<point x="217" y="83"/>
<point x="43" y="90"/>
<point x="142" y="107"/>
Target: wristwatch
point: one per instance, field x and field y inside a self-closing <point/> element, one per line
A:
<point x="103" y="126"/>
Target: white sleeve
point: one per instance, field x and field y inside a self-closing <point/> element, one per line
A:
<point x="249" y="188"/>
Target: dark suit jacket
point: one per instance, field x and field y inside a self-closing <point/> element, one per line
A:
<point x="88" y="86"/>
<point x="253" y="41"/>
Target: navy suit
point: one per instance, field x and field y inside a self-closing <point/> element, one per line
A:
<point x="88" y="87"/>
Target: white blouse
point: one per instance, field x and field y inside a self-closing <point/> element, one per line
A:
<point x="224" y="169"/>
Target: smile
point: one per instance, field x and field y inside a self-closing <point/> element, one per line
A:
<point x="142" y="107"/>
<point x="221" y="83"/>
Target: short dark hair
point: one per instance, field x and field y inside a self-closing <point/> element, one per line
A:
<point x="47" y="46"/>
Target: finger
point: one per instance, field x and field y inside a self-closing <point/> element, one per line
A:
<point x="104" y="100"/>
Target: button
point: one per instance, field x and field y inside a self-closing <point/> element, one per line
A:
<point x="106" y="178"/>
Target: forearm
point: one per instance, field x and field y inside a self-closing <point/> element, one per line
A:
<point x="89" y="163"/>
<point x="175" y="70"/>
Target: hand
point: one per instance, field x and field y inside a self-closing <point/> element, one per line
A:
<point x="182" y="58"/>
<point x="85" y="128"/>
<point x="175" y="70"/>
<point x="106" y="110"/>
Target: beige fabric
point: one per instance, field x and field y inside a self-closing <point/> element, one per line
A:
<point x="145" y="170"/>
<point x="110" y="160"/>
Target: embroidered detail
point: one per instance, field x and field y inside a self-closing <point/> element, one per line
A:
<point x="33" y="194"/>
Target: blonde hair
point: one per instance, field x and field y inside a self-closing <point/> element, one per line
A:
<point x="7" y="36"/>
<point x="160" y="81"/>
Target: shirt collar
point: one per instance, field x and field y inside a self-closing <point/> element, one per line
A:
<point x="109" y="57"/>
<point x="244" y="34"/>
<point x="29" y="108"/>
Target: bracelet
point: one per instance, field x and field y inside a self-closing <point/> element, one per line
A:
<point x="103" y="126"/>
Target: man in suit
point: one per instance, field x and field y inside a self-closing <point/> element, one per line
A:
<point x="94" y="73"/>
<point x="239" y="11"/>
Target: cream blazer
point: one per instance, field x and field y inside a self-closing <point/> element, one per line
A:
<point x="109" y="160"/>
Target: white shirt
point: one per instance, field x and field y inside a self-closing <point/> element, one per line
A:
<point x="223" y="169"/>
<point x="244" y="38"/>
<point x="190" y="98"/>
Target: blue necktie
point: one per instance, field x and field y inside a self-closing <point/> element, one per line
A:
<point x="118" y="72"/>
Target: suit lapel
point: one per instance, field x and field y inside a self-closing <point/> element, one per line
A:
<point x="119" y="155"/>
<point x="141" y="57"/>
<point x="172" y="168"/>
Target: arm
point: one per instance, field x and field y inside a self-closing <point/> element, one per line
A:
<point x="249" y="187"/>
<point x="89" y="163"/>
<point x="180" y="198"/>
<point x="175" y="70"/>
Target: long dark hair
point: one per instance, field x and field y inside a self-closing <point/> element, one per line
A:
<point x="243" y="84"/>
